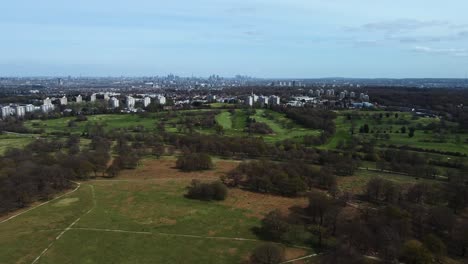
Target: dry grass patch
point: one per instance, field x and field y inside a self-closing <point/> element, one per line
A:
<point x="294" y="253"/>
<point x="165" y="169"/>
<point x="260" y="204"/>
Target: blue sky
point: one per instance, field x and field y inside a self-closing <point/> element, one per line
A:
<point x="263" y="38"/>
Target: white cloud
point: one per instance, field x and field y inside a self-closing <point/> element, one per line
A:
<point x="441" y="51"/>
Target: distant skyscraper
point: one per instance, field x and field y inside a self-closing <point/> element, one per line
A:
<point x="93" y="97"/>
<point x="79" y="99"/>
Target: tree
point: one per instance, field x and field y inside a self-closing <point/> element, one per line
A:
<point x="403" y="130"/>
<point x="343" y="254"/>
<point x="411" y="132"/>
<point x="435" y="245"/>
<point x="267" y="254"/>
<point x="319" y="204"/>
<point x="194" y="162"/>
<point x="414" y="252"/>
<point x="158" y="150"/>
<point x="366" y="128"/>
<point x="207" y="191"/>
<point x="274" y="226"/>
<point x="219" y="129"/>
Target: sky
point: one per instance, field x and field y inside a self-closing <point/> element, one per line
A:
<point x="261" y="38"/>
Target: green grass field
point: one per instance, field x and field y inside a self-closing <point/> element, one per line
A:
<point x="110" y="121"/>
<point x="14" y="141"/>
<point x="391" y="126"/>
<point x="130" y="220"/>
<point x="356" y="184"/>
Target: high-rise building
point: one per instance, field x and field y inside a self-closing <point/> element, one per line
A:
<point x="146" y="101"/>
<point x="6" y="111"/>
<point x="20" y="111"/>
<point x="79" y="99"/>
<point x="263" y="100"/>
<point x="211" y="98"/>
<point x="47" y="101"/>
<point x="114" y="102"/>
<point x="63" y="100"/>
<point x="249" y="100"/>
<point x="130" y="101"/>
<point x="342" y="95"/>
<point x="29" y="108"/>
<point x="45" y="108"/>
<point x="274" y="100"/>
<point x="160" y="100"/>
<point x="93" y="97"/>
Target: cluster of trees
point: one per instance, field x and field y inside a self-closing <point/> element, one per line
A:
<point x="412" y="229"/>
<point x="279" y="178"/>
<point x="189" y="121"/>
<point x="194" y="162"/>
<point x="44" y="168"/>
<point x="312" y="118"/>
<point x="255" y="127"/>
<point x="13" y="125"/>
<point x="207" y="191"/>
<point x="404" y="161"/>
<point x="268" y="253"/>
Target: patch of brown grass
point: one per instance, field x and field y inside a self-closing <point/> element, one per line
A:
<point x="293" y="253"/>
<point x="165" y="169"/>
<point x="260" y="204"/>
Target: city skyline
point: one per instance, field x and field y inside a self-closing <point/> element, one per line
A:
<point x="265" y="39"/>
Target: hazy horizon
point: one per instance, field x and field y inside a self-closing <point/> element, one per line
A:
<point x="265" y="39"/>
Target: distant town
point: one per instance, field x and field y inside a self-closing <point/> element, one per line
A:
<point x="129" y="95"/>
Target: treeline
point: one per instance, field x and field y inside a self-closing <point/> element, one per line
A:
<point x="406" y="224"/>
<point x="254" y="127"/>
<point x="44" y="168"/>
<point x="280" y="178"/>
<point x="314" y="119"/>
<point x="194" y="162"/>
<point x="449" y="102"/>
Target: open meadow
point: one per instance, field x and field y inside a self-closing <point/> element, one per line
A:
<point x="142" y="216"/>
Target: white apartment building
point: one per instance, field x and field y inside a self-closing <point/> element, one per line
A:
<point x="114" y="102"/>
<point x="146" y="101"/>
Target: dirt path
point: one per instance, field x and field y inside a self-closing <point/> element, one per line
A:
<point x="67" y="229"/>
<point x="181" y="235"/>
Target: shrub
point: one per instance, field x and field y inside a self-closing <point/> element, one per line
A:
<point x="194" y="162"/>
<point x="267" y="254"/>
<point x="207" y="191"/>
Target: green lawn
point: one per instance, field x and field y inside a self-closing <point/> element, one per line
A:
<point x="357" y="183"/>
<point x="282" y="127"/>
<point x="110" y="121"/>
<point x="14" y="141"/>
<point x="224" y="120"/>
<point x="391" y="126"/>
